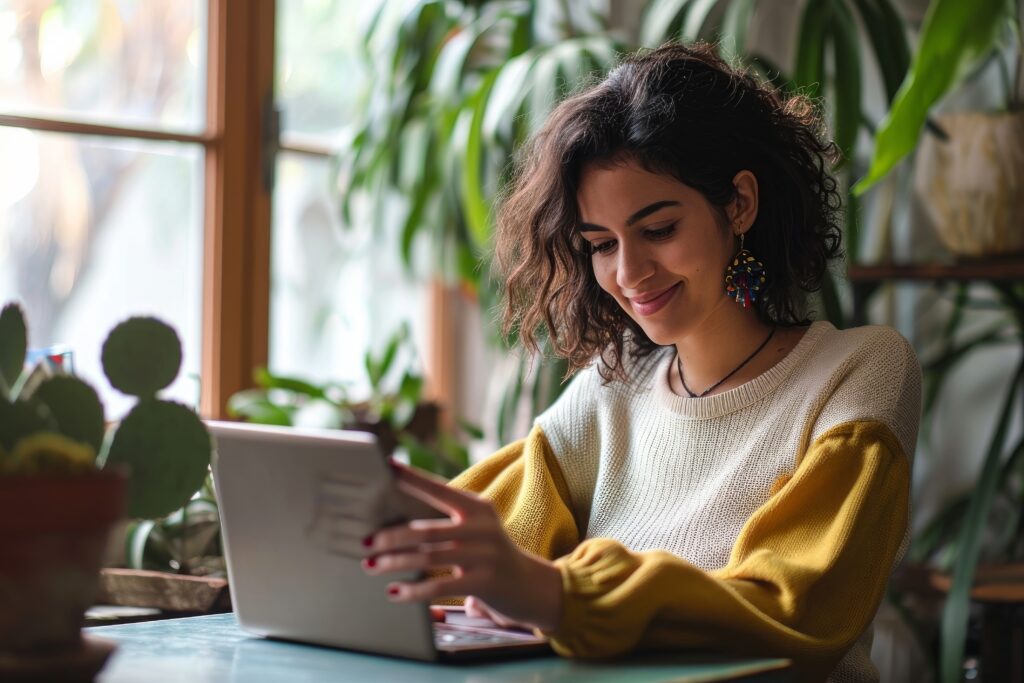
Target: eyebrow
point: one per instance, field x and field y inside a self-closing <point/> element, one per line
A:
<point x="638" y="216"/>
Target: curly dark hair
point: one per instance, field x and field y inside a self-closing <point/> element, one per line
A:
<point x="684" y="112"/>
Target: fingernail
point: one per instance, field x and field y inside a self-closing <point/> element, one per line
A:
<point x="368" y="541"/>
<point x="393" y="591"/>
<point x="371" y="562"/>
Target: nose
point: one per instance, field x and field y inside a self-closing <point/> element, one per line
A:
<point x="633" y="267"/>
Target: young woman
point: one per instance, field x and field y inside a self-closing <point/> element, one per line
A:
<point x="721" y="474"/>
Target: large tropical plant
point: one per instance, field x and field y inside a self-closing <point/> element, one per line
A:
<point x="458" y="86"/>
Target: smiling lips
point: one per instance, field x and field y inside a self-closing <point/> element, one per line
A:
<point x="646" y="304"/>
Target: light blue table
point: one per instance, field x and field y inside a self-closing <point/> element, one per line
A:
<point x="213" y="648"/>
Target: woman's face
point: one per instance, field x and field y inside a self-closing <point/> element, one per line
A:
<point x="658" y="247"/>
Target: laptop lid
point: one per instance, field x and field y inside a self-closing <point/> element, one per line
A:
<point x="294" y="507"/>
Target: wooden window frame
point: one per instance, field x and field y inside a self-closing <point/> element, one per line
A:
<point x="239" y="144"/>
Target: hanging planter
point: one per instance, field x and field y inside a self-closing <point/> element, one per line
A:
<point x="972" y="184"/>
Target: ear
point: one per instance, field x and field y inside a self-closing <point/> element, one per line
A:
<point x="743" y="209"/>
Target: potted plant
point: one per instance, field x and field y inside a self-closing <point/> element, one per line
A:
<point x="66" y="478"/>
<point x="968" y="166"/>
<point x="395" y="410"/>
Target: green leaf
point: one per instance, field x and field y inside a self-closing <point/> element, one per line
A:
<point x="809" y="71"/>
<point x="13" y="344"/>
<point x="135" y="543"/>
<point x="956" y="609"/>
<point x="411" y="388"/>
<point x="661" y="21"/>
<point x="268" y="380"/>
<point x="507" y="95"/>
<point x="390" y="352"/>
<point x="543" y="87"/>
<point x="830" y="299"/>
<point x="696" y="17"/>
<point x="847" y="83"/>
<point x="939" y="529"/>
<point x="21" y="419"/>
<point x="419" y="455"/>
<point x="884" y="28"/>
<point x="474" y="195"/>
<point x="254" y="406"/>
<point x="141" y="356"/>
<point x="166" y="449"/>
<point x="954" y="36"/>
<point x="735" y="25"/>
<point x="474" y="431"/>
<point x="937" y="370"/>
<point x="75" y="407"/>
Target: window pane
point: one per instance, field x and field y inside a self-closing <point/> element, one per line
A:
<point x="334" y="292"/>
<point x="138" y="63"/>
<point x="319" y="74"/>
<point x="95" y="230"/>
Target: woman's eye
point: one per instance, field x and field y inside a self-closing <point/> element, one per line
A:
<point x="661" y="233"/>
<point x="602" y="247"/>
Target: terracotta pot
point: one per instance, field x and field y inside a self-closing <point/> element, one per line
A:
<point x="53" y="532"/>
<point x="972" y="186"/>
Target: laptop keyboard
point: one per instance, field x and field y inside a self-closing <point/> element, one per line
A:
<point x="446" y="635"/>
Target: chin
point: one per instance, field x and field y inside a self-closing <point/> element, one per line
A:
<point x="659" y="335"/>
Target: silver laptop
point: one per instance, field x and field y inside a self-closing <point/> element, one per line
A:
<point x="295" y="505"/>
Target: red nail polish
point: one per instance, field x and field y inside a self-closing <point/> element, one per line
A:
<point x="371" y="562"/>
<point x="392" y="590"/>
<point x="368" y="541"/>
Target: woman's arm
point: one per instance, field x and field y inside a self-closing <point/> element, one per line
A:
<point x="804" y="580"/>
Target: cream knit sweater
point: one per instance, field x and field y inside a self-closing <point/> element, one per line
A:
<point x="763" y="520"/>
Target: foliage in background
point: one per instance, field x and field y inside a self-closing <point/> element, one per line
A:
<point x="458" y="86"/>
<point x="395" y="411"/>
<point x="955" y="36"/>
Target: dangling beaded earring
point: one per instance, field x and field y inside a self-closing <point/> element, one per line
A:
<point x="744" y="278"/>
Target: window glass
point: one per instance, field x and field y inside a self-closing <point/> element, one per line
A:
<point x="336" y="292"/>
<point x="129" y="62"/>
<point x="318" y="71"/>
<point x="93" y="230"/>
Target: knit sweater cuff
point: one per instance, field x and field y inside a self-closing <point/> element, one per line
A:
<point x="589" y="576"/>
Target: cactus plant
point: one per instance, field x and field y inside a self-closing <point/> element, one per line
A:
<point x="13" y="343"/>
<point x="57" y="424"/>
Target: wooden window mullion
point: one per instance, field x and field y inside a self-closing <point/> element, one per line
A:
<point x="236" y="261"/>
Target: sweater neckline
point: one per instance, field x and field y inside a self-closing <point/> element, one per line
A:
<point x="738" y="397"/>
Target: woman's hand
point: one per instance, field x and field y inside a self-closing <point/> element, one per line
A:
<point x="510" y="586"/>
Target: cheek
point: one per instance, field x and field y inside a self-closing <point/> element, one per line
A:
<point x="604" y="273"/>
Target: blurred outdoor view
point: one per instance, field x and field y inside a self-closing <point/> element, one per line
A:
<point x="93" y="230"/>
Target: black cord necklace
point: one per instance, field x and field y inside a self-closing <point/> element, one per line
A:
<point x="679" y="367"/>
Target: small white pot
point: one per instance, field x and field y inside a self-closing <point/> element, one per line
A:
<point x="972" y="186"/>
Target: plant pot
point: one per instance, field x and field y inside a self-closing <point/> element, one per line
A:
<point x="972" y="185"/>
<point x="53" y="533"/>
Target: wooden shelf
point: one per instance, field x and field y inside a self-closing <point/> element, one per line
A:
<point x="1003" y="270"/>
<point x="865" y="279"/>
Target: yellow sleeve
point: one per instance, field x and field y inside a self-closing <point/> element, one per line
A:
<point x="804" y="579"/>
<point x="524" y="483"/>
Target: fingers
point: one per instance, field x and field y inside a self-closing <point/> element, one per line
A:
<point x="434" y="589"/>
<point x="422" y="532"/>
<point x="475" y="607"/>
<point x="462" y="557"/>
<point x="435" y="492"/>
